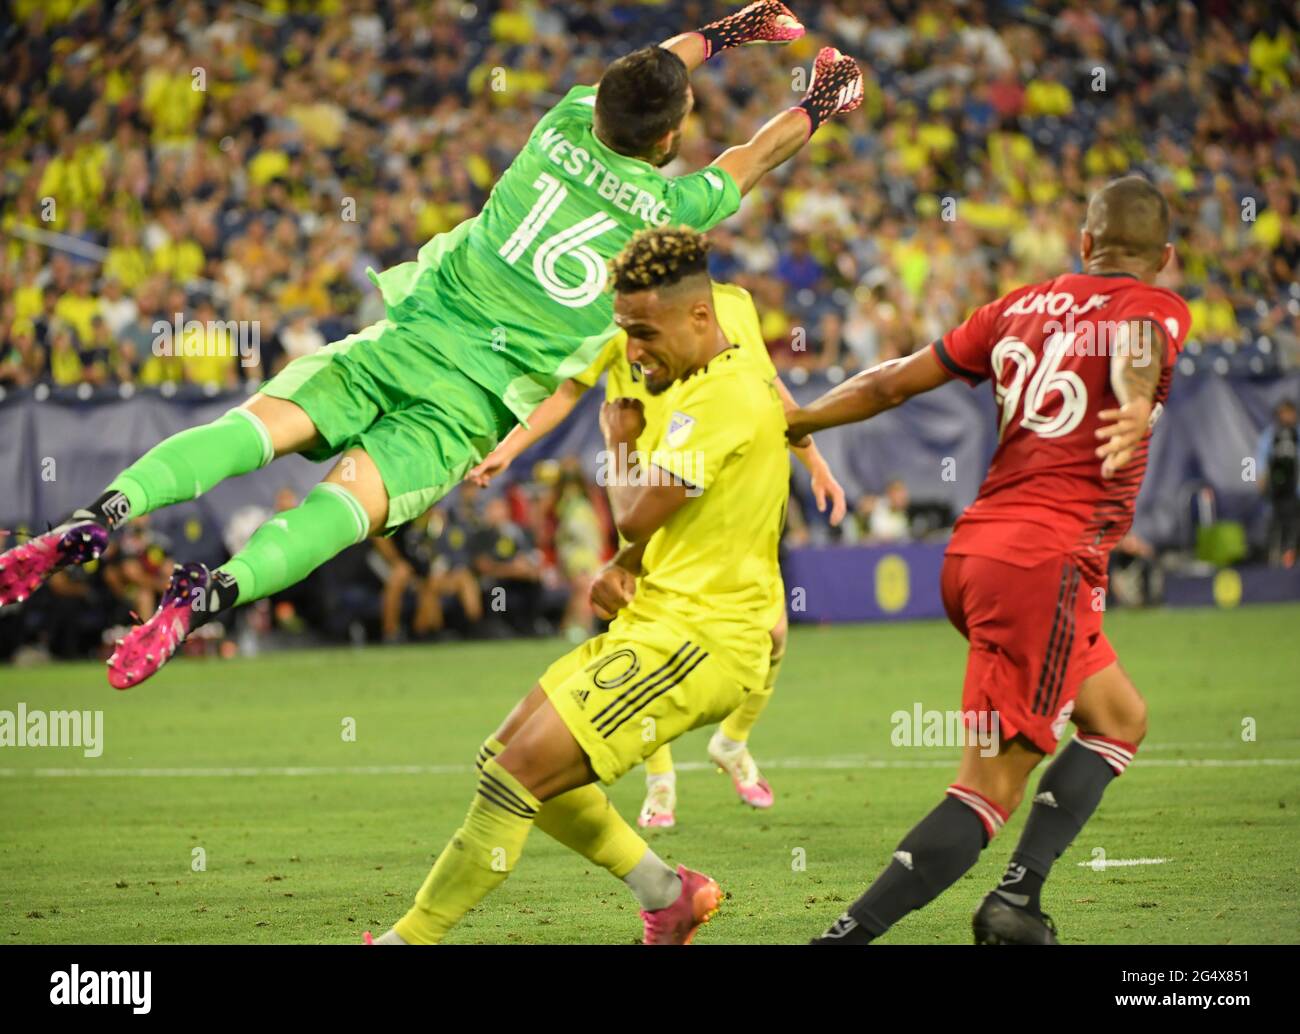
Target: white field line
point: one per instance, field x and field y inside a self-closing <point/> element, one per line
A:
<point x="791" y="764"/>
<point x="1211" y="744"/>
<point x="1115" y="863"/>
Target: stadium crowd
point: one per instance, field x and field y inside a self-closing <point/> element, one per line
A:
<point x="239" y="163"/>
<point x="242" y="166"/>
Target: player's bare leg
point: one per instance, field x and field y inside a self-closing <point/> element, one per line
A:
<point x="1111" y="718"/>
<point x="1000" y="778"/>
<point x="944" y="845"/>
<point x="349" y="505"/>
<point x="391" y="598"/>
<point x="288" y="424"/>
<point x="428" y="610"/>
<point x="470" y="594"/>
<point x="533" y="772"/>
<point x="1109" y="705"/>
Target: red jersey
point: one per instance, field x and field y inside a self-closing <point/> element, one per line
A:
<point x="1048" y="349"/>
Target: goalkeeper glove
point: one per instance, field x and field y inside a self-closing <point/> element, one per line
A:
<point x="767" y="21"/>
<point x="836" y="88"/>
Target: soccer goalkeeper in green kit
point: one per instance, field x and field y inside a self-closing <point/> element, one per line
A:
<point x="486" y="323"/>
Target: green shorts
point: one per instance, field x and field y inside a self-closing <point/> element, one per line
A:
<point x="383" y="390"/>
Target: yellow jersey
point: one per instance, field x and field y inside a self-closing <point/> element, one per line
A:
<point x="738" y="317"/>
<point x="712" y="569"/>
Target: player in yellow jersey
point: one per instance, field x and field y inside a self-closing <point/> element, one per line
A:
<point x="705" y="511"/>
<point x="729" y="746"/>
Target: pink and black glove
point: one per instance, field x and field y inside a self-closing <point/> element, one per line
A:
<point x="836" y="87"/>
<point x="767" y="21"/>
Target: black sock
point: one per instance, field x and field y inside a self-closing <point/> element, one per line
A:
<point x="845" y="930"/>
<point x="222" y="593"/>
<point x="1022" y="887"/>
<point x="110" y="510"/>
<point x="1068" y="794"/>
<point x="931" y="858"/>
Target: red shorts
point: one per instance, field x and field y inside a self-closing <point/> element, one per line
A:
<point x="1035" y="635"/>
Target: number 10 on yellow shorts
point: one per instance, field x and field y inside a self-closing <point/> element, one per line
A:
<point x="626" y="693"/>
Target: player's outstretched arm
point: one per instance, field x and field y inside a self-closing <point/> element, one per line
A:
<point x="1136" y="364"/>
<point x="870" y="392"/>
<point x="836" y="89"/>
<point x="541" y="422"/>
<point x="825" y="487"/>
<point x="767" y="21"/>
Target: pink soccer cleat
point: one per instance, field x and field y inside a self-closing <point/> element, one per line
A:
<point x="366" y="938"/>
<point x="658" y="811"/>
<point x="750" y="785"/>
<point x="27" y="567"/>
<point x="699" y="901"/>
<point x="147" y="647"/>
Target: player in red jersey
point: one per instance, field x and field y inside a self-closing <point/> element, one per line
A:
<point x="1080" y="367"/>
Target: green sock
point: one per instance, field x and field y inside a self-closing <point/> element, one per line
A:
<point x="292" y="544"/>
<point x="192" y="461"/>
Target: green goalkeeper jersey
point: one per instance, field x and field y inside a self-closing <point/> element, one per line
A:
<point x="517" y="297"/>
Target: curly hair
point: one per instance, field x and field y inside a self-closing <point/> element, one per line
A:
<point x="660" y="257"/>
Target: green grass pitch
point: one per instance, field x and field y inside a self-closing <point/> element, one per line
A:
<point x="309" y="837"/>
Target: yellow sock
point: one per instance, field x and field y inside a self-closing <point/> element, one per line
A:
<point x="490" y="749"/>
<point x="660" y="762"/>
<point x="585" y="821"/>
<point x="479" y="857"/>
<point x="740" y="723"/>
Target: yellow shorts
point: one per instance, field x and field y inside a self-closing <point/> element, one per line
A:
<point x="626" y="693"/>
